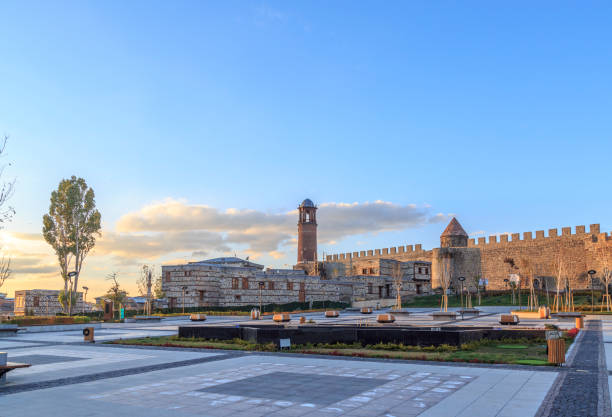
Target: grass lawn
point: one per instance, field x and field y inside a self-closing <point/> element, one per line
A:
<point x="516" y="351"/>
<point x="504" y="299"/>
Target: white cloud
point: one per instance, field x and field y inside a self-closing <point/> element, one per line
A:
<point x="174" y="225"/>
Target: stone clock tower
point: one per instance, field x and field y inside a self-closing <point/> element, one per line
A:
<point x="307" y="232"/>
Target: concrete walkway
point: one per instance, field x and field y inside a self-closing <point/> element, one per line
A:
<point x="70" y="378"/>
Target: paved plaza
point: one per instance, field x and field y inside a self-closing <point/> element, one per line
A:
<point x="71" y="378"/>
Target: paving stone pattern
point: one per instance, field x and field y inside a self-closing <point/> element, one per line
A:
<point x="44" y="359"/>
<point x="297" y="387"/>
<point x="580" y="393"/>
<point x="243" y="391"/>
<point x="13" y="389"/>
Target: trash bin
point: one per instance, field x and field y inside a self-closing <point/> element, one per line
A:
<point x="88" y="334"/>
<point x="579" y="322"/>
<point x="556" y="351"/>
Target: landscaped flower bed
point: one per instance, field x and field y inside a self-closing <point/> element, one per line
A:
<point x="512" y="351"/>
<point x="48" y="320"/>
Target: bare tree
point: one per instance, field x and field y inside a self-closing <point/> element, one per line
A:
<point x="511" y="272"/>
<point x="527" y="270"/>
<point x="145" y="282"/>
<point x="605" y="276"/>
<point x="445" y="279"/>
<point x="398" y="276"/>
<point x="558" y="268"/>
<point x="6" y="212"/>
<point x="5" y="270"/>
<point x="115" y="293"/>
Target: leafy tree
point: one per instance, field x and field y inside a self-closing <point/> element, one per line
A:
<point x="71" y="227"/>
<point x="63" y="299"/>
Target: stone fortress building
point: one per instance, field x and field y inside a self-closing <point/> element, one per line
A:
<point x="492" y="260"/>
<point x="231" y="281"/>
<point x="43" y="303"/>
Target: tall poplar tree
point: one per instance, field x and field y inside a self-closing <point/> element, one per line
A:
<point x="71" y="227"/>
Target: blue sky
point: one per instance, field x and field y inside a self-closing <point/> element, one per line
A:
<point x="498" y="113"/>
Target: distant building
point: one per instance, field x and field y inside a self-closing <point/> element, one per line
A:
<point x="232" y="281"/>
<point x="42" y="303"/>
<point x="6" y="305"/>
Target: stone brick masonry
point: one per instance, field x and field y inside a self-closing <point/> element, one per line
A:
<point x="42" y="303"/>
<point x="581" y="250"/>
<point x="236" y="282"/>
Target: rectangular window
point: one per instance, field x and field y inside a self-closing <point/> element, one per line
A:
<point x="270" y="285"/>
<point x="245" y="283"/>
<point x="238" y="298"/>
<point x="201" y="295"/>
<point x="36" y="301"/>
<point x="370" y="289"/>
<point x="364" y="271"/>
<point x="168" y="276"/>
<point x="290" y="286"/>
<point x="234" y="283"/>
<point x="426" y="271"/>
<point x="372" y="271"/>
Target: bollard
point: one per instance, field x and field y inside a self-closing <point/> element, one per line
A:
<point x="579" y="322"/>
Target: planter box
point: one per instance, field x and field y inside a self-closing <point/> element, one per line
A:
<point x="385" y="318"/>
<point x="281" y="317"/>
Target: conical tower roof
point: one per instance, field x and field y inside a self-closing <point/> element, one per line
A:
<point x="454" y="229"/>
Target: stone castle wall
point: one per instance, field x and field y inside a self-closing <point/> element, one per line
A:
<point x="580" y="251"/>
<point x="484" y="258"/>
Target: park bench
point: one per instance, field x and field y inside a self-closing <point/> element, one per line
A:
<point x="444" y="315"/>
<point x="509" y="319"/>
<point x="6" y="367"/>
<point x="470" y="311"/>
<point x="8" y="329"/>
<point x="567" y="315"/>
<point x="9" y="367"/>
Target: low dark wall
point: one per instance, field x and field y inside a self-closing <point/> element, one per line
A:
<point x="209" y="332"/>
<point x="365" y="335"/>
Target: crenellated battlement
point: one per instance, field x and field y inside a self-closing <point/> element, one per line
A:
<point x="397" y="250"/>
<point x="540" y="236"/>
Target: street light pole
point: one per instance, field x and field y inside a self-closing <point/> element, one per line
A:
<point x="69" y="295"/>
<point x="591" y="273"/>
<point x="184" y="288"/>
<point x="461" y="279"/>
<point x="261" y="285"/>
<point x="85" y="297"/>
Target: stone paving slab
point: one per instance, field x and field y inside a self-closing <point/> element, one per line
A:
<point x="89" y="360"/>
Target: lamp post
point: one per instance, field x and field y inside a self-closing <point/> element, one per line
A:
<point x="591" y="273"/>
<point x="184" y="292"/>
<point x="461" y="279"/>
<point x="69" y="295"/>
<point x="85" y="297"/>
<point x="261" y="286"/>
